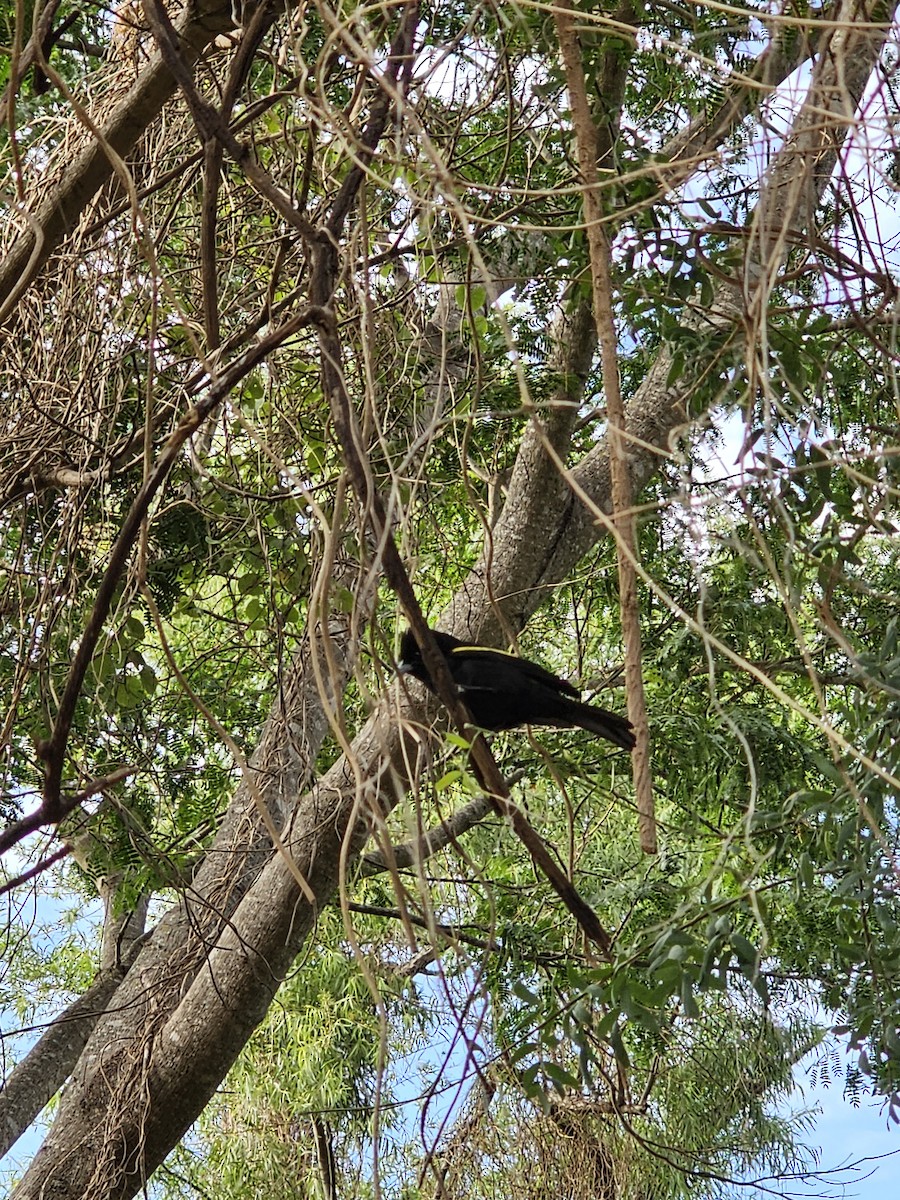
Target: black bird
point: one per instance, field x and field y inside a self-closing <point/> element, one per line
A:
<point x="502" y="691"/>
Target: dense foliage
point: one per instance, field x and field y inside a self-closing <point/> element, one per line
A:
<point x="446" y="1029"/>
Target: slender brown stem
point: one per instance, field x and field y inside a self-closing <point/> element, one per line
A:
<point x="626" y="543"/>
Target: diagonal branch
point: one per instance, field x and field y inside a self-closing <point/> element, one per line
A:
<point x="53" y="751"/>
<point x="323" y="282"/>
<point x="30" y="824"/>
<point x="51" y="220"/>
<point x="35" y="1080"/>
<point x="419" y="849"/>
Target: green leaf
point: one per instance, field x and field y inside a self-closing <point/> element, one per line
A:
<point x="447" y="780"/>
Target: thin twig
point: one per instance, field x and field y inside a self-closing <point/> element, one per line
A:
<point x="37" y="869"/>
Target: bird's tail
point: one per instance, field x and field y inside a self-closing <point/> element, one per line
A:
<point x="605" y="724"/>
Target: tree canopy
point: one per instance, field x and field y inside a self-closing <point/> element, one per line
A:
<point x="568" y="330"/>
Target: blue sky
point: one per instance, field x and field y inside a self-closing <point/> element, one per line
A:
<point x="847" y="1135"/>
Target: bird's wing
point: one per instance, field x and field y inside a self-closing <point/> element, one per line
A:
<point x="531" y="670"/>
<point x="541" y="675"/>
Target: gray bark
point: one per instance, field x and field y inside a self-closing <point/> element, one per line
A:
<point x="120" y="930"/>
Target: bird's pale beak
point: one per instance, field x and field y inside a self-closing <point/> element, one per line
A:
<point x="404" y="668"/>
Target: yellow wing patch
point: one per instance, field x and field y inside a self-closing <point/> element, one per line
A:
<point x="481" y="650"/>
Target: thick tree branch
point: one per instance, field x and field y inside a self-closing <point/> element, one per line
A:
<point x="656" y="413"/>
<point x="58" y="214"/>
<point x="34" y="1082"/>
<point x="702" y="138"/>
